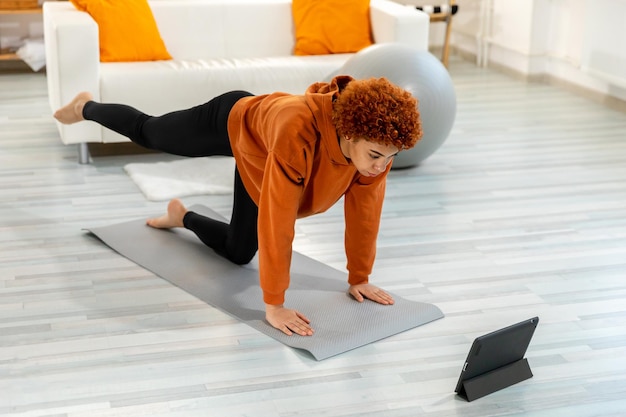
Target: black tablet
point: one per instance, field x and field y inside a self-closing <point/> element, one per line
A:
<point x="495" y="351"/>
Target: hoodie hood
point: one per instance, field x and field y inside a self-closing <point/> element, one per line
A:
<point x="319" y="98"/>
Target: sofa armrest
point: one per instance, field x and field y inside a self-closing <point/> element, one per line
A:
<point x="394" y="22"/>
<point x="72" y="62"/>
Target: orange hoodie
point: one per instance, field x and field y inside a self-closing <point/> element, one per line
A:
<point x="287" y="152"/>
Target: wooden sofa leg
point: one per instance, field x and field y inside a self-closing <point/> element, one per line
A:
<point x="83" y="153"/>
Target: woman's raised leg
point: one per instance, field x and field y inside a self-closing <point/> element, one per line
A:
<point x="197" y="131"/>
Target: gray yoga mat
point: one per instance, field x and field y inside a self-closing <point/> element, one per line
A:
<point x="317" y="290"/>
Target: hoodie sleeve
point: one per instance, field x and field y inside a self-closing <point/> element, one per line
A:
<point x="363" y="203"/>
<point x="281" y="191"/>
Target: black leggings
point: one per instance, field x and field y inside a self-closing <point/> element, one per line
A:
<point x="198" y="131"/>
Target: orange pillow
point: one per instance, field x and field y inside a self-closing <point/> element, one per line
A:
<point x="331" y="26"/>
<point x="127" y="30"/>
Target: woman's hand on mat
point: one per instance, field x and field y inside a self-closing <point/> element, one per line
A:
<point x="371" y="292"/>
<point x="288" y="321"/>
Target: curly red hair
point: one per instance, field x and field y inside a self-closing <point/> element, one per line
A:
<point x="376" y="110"/>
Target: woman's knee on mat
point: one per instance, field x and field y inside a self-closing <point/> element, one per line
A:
<point x="241" y="256"/>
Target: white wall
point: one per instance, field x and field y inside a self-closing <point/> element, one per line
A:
<point x="581" y="42"/>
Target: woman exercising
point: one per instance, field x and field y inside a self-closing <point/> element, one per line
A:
<point x="295" y="155"/>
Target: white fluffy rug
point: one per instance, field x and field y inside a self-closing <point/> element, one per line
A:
<point x="192" y="176"/>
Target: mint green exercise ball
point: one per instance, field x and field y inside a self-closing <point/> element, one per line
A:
<point x="424" y="76"/>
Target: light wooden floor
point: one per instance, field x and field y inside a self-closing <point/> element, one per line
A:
<point x="522" y="212"/>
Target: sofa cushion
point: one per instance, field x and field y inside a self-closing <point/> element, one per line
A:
<point x="194" y="29"/>
<point x="331" y="26"/>
<point x="127" y="30"/>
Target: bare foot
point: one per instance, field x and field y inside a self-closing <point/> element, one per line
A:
<point x="173" y="218"/>
<point x="73" y="111"/>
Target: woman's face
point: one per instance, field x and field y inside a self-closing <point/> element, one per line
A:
<point x="369" y="158"/>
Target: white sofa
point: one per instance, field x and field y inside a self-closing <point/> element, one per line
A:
<point x="216" y="46"/>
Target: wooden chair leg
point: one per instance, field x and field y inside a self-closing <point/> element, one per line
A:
<point x="446" y="42"/>
<point x="442" y="14"/>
